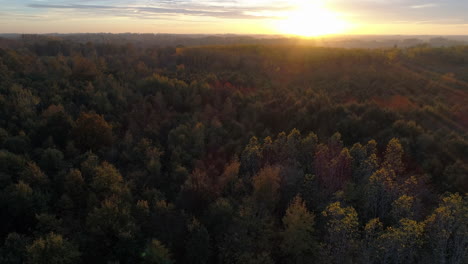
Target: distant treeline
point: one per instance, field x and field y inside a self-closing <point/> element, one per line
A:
<point x="165" y="40"/>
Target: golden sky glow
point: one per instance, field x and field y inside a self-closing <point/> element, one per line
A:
<point x="294" y="17"/>
<point x="311" y="19"/>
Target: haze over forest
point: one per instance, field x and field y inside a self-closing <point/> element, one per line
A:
<point x="343" y="41"/>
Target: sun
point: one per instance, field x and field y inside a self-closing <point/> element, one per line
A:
<point x="309" y="19"/>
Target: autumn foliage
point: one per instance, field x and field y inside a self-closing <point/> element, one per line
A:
<point x="115" y="152"/>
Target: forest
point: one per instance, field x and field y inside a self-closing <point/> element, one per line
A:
<point x="116" y="152"/>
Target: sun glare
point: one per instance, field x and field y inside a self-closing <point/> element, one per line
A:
<point x="311" y="19"/>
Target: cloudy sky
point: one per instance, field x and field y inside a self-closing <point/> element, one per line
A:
<point x="426" y="17"/>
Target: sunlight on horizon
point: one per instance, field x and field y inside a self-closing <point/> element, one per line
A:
<point x="311" y="19"/>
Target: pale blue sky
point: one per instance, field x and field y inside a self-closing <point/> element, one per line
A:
<point x="226" y="16"/>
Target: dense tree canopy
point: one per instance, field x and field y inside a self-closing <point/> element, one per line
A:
<point x="136" y="153"/>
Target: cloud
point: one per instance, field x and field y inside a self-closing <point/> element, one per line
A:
<point x="387" y="11"/>
<point x="188" y="8"/>
<point x="364" y="11"/>
<point x="424" y="6"/>
<point x="48" y="6"/>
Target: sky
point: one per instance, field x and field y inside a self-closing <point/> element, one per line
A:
<point x="300" y="17"/>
